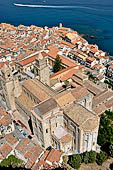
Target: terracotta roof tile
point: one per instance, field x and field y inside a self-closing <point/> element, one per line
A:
<point x="37" y="89"/>
<point x="27" y="60"/>
<point x="100" y="109"/>
<point x="81" y="116"/>
<point x="90" y="59"/>
<point x="54" y="156"/>
<point x="94" y="50"/>
<point x="68" y="75"/>
<point x="5" y="150"/>
<point x="67" y="44"/>
<point x="79" y="93"/>
<point x="64" y="98"/>
<point x="60" y="72"/>
<point x="109" y="103"/>
<point x="46" y="106"/>
<point x="67" y="138"/>
<point x="10" y="139"/>
<point x="6" y="120"/>
<point x="1" y="64"/>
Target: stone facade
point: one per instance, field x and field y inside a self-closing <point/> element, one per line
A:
<point x="64" y="120"/>
<point x="60" y="130"/>
<point x="41" y="69"/>
<point x="8" y="87"/>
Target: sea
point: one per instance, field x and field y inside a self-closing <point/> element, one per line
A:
<point x="92" y="17"/>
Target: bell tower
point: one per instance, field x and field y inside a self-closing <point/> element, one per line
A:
<point x="41" y="69"/>
<point x="7" y="82"/>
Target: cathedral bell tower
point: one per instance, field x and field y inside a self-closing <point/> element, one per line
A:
<point x="8" y="87"/>
<point x="41" y="69"/>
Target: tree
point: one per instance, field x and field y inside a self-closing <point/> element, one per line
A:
<point x="105" y="134"/>
<point x="66" y="82"/>
<point x="111" y="150"/>
<point x="92" y="156"/>
<point x="88" y="73"/>
<point x="82" y="158"/>
<point x="32" y="70"/>
<point x="86" y="157"/>
<point x="65" y="159"/>
<point x="109" y="114"/>
<point x="75" y="161"/>
<point x="101" y="157"/>
<point x="106" y="81"/>
<point x="57" y="65"/>
<point x="90" y="76"/>
<point x="10" y="161"/>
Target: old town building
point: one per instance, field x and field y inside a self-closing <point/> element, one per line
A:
<point x="62" y="120"/>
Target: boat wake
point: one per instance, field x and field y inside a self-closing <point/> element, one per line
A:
<point x="49" y="6"/>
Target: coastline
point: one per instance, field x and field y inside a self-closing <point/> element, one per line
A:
<point x="90" y="37"/>
<point x="97" y="23"/>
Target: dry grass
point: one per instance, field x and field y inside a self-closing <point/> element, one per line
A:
<point x="94" y="166"/>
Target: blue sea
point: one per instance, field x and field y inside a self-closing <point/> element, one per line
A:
<point x="93" y="17"/>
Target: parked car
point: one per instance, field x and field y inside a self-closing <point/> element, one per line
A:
<point x="25" y="134"/>
<point x="30" y="137"/>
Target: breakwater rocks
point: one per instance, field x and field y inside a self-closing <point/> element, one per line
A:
<point x="88" y="36"/>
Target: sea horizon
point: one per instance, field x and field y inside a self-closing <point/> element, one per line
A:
<point x="93" y="18"/>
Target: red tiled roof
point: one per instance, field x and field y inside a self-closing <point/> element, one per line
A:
<point x="5" y="150"/>
<point x="30" y="59"/>
<point x="53" y="51"/>
<point x="11" y="139"/>
<point x="75" y="41"/>
<point x="1" y="64"/>
<point x="111" y="66"/>
<point x="97" y="66"/>
<point x="68" y="74"/>
<point x="90" y="59"/>
<point x="27" y="60"/>
<point x="6" y="120"/>
<point x="94" y="50"/>
<point x="66" y="61"/>
<point x="51" y="156"/>
<point x="60" y="72"/>
<point x="67" y="44"/>
<point x="29" y="151"/>
<point x="54" y="156"/>
<point x="99" y="57"/>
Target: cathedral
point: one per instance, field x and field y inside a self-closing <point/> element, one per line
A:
<point x="62" y="120"/>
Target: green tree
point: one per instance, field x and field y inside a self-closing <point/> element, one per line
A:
<point x="57" y="65"/>
<point x="109" y="114"/>
<point x="32" y="70"/>
<point x="66" y="82"/>
<point x="65" y="159"/>
<point x="106" y="81"/>
<point x="5" y="163"/>
<point x="88" y="73"/>
<point x="91" y="76"/>
<point x="101" y="157"/>
<point x="75" y="161"/>
<point x="82" y="158"/>
<point x="10" y="161"/>
<point x="111" y="150"/>
<point x="86" y="157"/>
<point x="105" y="134"/>
<point x="92" y="156"/>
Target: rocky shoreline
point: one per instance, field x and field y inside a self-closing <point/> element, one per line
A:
<point x="88" y="36"/>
